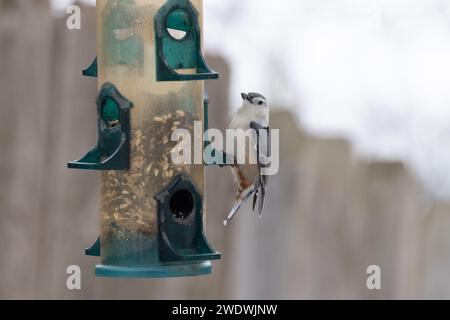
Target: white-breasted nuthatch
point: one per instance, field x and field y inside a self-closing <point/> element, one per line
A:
<point x="253" y="114"/>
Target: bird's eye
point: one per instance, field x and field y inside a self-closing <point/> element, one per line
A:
<point x="260" y="103"/>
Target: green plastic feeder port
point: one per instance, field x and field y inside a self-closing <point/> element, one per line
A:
<point x="180" y="223"/>
<point x="113" y="148"/>
<point x="178" y="43"/>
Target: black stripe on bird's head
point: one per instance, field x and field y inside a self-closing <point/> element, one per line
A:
<point x="254" y="98"/>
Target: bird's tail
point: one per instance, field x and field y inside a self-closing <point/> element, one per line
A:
<point x="241" y="198"/>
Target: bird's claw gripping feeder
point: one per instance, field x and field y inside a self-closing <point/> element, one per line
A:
<point x="151" y="73"/>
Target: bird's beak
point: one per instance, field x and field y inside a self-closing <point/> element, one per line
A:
<point x="245" y="97"/>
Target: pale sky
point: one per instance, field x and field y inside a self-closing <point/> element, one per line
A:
<point x="374" y="71"/>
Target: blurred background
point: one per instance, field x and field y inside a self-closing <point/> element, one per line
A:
<point x="359" y="90"/>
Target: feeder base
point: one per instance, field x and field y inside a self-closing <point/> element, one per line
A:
<point x="160" y="271"/>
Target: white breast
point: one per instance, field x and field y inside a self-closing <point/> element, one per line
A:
<point x="245" y="115"/>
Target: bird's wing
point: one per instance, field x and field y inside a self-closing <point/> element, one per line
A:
<point x="264" y="178"/>
<point x="263" y="149"/>
<point x="261" y="140"/>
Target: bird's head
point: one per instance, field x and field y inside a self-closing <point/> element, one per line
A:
<point x="256" y="101"/>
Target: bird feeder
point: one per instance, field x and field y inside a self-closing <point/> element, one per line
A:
<point x="150" y="71"/>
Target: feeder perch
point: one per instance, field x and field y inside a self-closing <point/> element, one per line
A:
<point x="91" y="71"/>
<point x="150" y="83"/>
